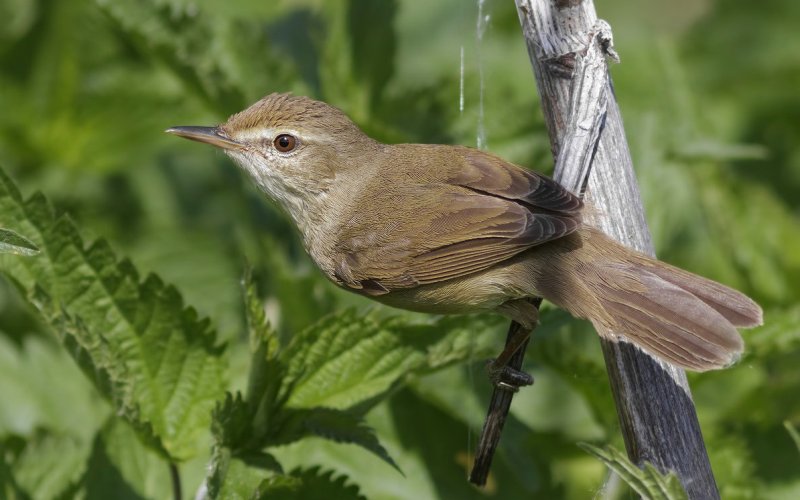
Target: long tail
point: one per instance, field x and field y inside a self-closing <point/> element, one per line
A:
<point x="673" y="314"/>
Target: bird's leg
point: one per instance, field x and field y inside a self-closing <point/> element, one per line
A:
<point x="526" y="317"/>
<point x="502" y="375"/>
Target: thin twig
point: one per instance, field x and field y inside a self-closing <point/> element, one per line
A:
<point x="497" y="413"/>
<point x="175" y="476"/>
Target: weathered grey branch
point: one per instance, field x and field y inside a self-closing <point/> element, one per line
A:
<point x="587" y="71"/>
<point x="654" y="404"/>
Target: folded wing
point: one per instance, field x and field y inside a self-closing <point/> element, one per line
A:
<point x="484" y="211"/>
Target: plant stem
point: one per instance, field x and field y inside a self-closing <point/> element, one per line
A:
<point x="175" y="476"/>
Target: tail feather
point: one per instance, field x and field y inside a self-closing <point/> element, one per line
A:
<point x="736" y="307"/>
<point x="672" y="323"/>
<point x="673" y="314"/>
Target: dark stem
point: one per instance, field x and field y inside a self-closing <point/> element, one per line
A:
<point x="175" y="476"/>
<point x="498" y="411"/>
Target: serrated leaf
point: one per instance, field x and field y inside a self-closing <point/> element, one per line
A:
<point x="122" y="468"/>
<point x="144" y="350"/>
<point x="348" y="359"/>
<point x="265" y="381"/>
<point x="237" y="465"/>
<point x="345" y="359"/>
<point x="303" y="484"/>
<point x="232" y="423"/>
<point x="37" y="380"/>
<point x="50" y="466"/>
<point x="223" y="61"/>
<point x="230" y="477"/>
<point x="336" y="425"/>
<point x="648" y="482"/>
<point x="11" y="242"/>
<point x="244" y="422"/>
<point x="234" y="475"/>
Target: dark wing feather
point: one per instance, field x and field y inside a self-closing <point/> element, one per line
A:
<point x="482" y="213"/>
<point x="492" y="175"/>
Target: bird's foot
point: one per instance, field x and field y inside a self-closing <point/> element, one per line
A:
<point x="507" y="378"/>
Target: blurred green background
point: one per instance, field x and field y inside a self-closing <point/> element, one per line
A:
<point x="710" y="95"/>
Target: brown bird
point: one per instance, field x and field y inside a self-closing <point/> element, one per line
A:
<point x="451" y="229"/>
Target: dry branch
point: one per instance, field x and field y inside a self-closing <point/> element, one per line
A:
<point x="654" y="404"/>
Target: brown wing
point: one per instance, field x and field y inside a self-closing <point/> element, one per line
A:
<point x="481" y="212"/>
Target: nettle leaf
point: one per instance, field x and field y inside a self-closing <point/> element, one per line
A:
<point x="349" y="359"/>
<point x="648" y="482"/>
<point x="144" y="350"/>
<point x="264" y="385"/>
<point x="38" y="379"/>
<point x="11" y="242"/>
<point x="242" y="425"/>
<point x="223" y="60"/>
<point x="121" y="467"/>
<point x="246" y="423"/>
<point x="235" y="477"/>
<point x="49" y="465"/>
<point x="337" y="425"/>
<point x="175" y="35"/>
<point x="308" y="483"/>
<point x="323" y="382"/>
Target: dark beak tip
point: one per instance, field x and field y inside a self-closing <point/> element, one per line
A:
<point x="192" y="130"/>
<point x="209" y="135"/>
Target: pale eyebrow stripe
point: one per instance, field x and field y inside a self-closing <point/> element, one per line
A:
<point x="272" y="132"/>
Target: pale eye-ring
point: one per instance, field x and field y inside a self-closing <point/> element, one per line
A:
<point x="285" y="143"/>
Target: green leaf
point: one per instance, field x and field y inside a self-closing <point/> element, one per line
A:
<point x="233" y="477"/>
<point x="223" y="62"/>
<point x="122" y="468"/>
<point x="302" y="484"/>
<point x="336" y="425"/>
<point x="372" y="42"/>
<point x="50" y="465"/>
<point x="245" y="423"/>
<point x="647" y="482"/>
<point x="266" y="371"/>
<point x="349" y="359"/>
<point x="792" y="430"/>
<point x="8" y="485"/>
<point x="143" y="349"/>
<point x="11" y="242"/>
<point x="38" y="380"/>
<point x="570" y="348"/>
<point x="243" y="426"/>
<point x="779" y="333"/>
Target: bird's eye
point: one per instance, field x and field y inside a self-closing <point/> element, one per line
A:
<point x="285" y="143"/>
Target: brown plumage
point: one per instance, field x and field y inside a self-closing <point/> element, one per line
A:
<point x="450" y="229"/>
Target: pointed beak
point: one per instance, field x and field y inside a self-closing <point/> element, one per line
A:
<point x="210" y="135"/>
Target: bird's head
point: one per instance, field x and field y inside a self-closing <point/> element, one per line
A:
<point x="293" y="147"/>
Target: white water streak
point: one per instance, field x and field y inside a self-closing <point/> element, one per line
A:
<point x="461" y="84"/>
<point x="480" y="29"/>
